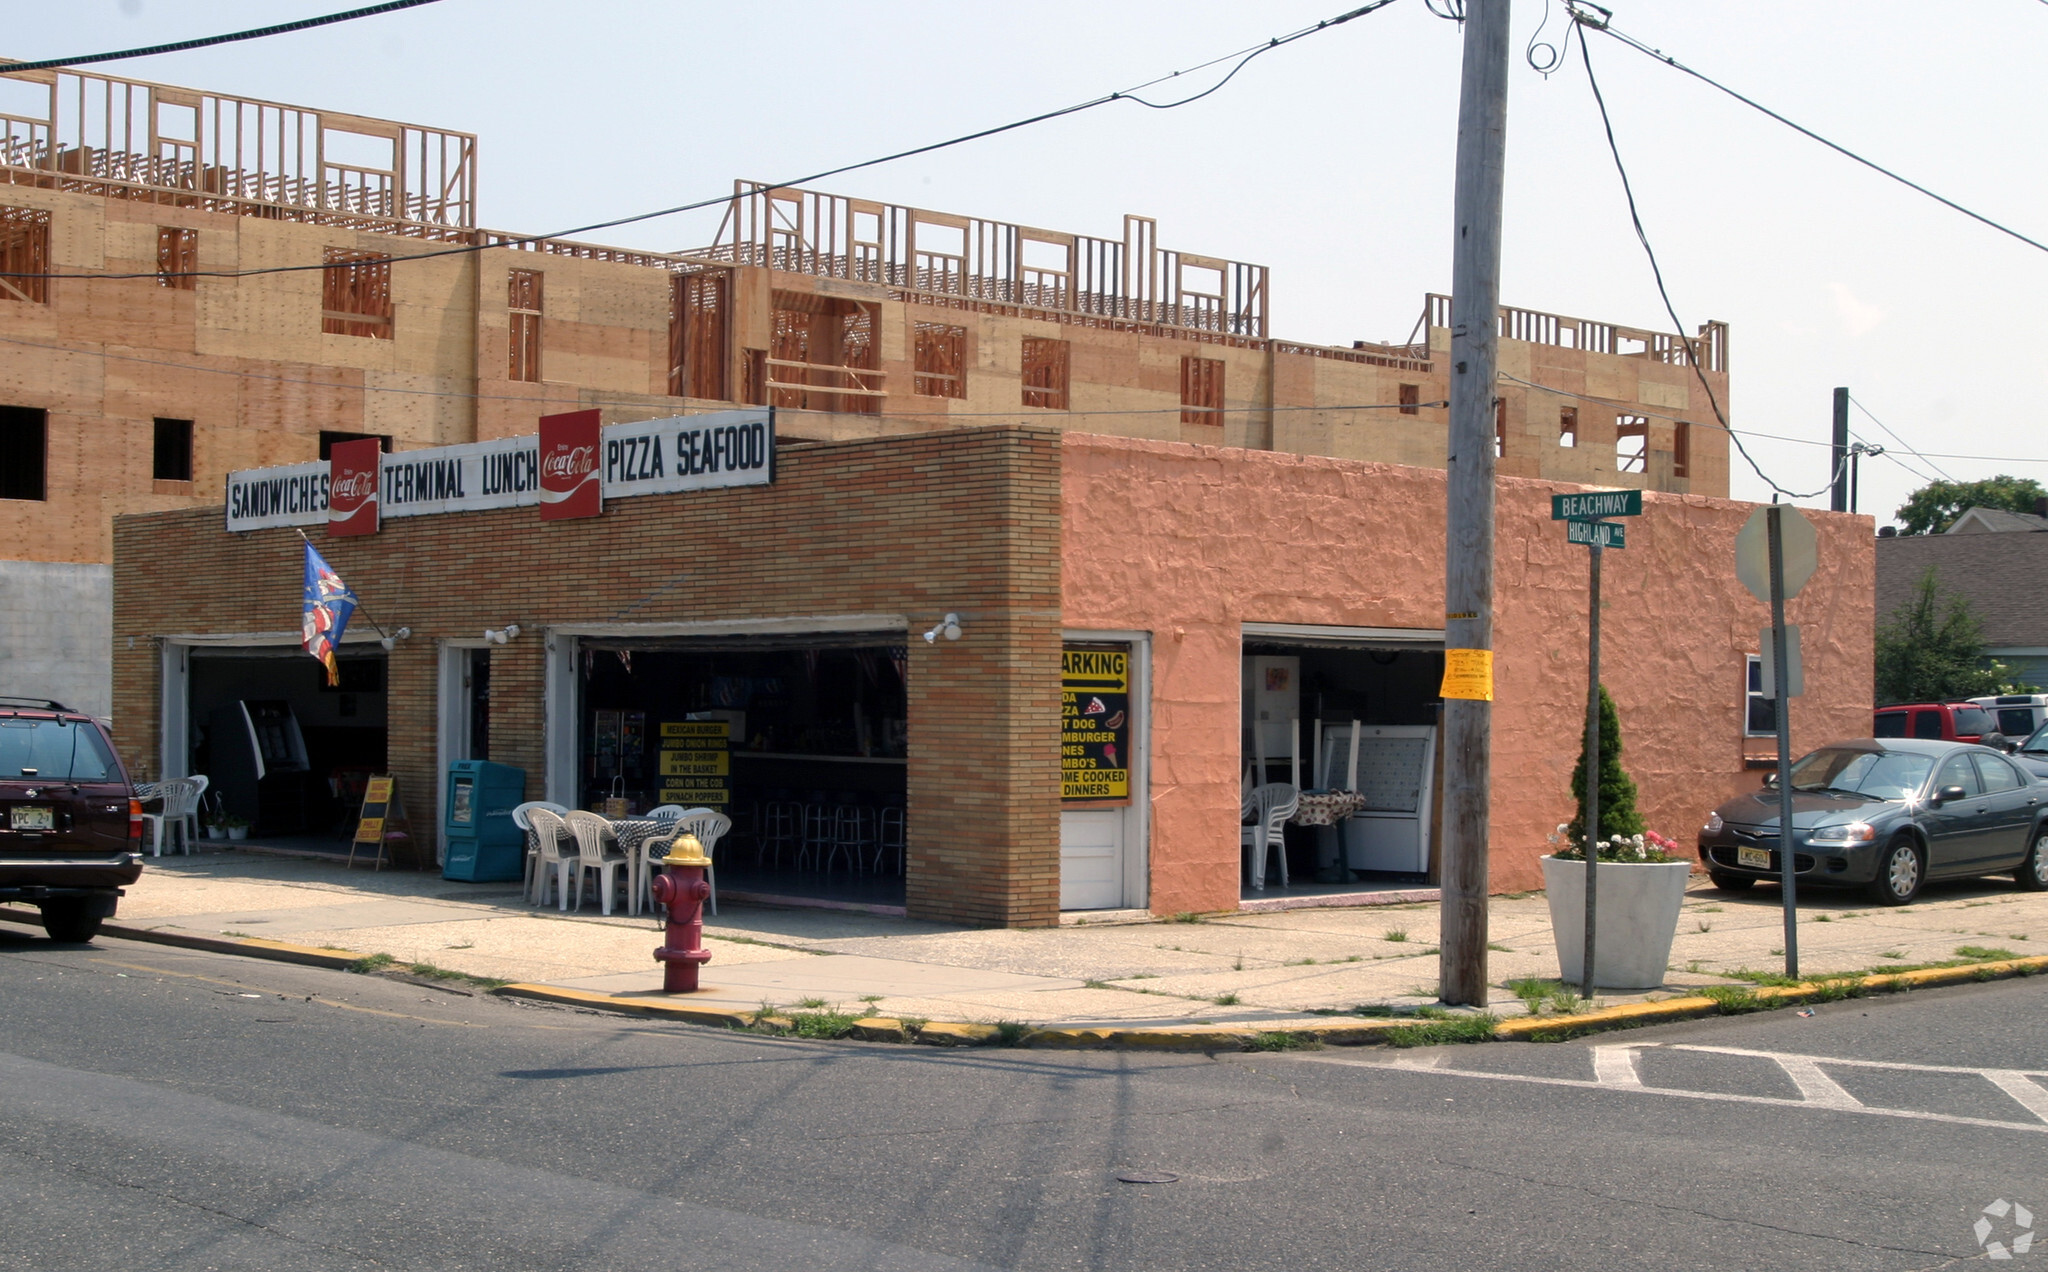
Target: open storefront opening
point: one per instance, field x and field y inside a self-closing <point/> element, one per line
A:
<point x="802" y="740"/>
<point x="285" y="753"/>
<point x="1346" y="709"/>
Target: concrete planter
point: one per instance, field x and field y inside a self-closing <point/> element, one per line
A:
<point x="1638" y="917"/>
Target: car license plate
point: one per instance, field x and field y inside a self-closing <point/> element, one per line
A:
<point x="31" y="817"/>
<point x="1754" y="858"/>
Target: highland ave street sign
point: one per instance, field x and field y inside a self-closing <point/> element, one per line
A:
<point x="1594" y="504"/>
<point x="1596" y="534"/>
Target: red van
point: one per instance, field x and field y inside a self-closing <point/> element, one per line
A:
<point x="1934" y="721"/>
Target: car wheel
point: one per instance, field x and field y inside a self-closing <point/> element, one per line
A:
<point x="70" y="923"/>
<point x="1900" y="872"/>
<point x="2033" y="872"/>
<point x="1731" y="882"/>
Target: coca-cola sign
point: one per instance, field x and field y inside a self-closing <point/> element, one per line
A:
<point x="570" y="485"/>
<point x="352" y="487"/>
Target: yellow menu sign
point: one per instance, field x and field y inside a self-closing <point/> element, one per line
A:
<point x="1095" y="723"/>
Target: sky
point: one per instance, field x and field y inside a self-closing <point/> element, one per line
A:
<point x="1328" y="159"/>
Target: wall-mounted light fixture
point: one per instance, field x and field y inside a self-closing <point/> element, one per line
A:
<point x="949" y="627"/>
<point x="500" y="635"/>
<point x="389" y="642"/>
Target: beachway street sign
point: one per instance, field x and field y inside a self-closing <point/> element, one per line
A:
<point x="1596" y="534"/>
<point x="1592" y="505"/>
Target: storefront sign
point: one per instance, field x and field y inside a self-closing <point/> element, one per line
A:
<point x="1468" y="673"/>
<point x="1095" y="723"/>
<point x="569" y="484"/>
<point x="654" y="457"/>
<point x="352" y="501"/>
<point x="696" y="763"/>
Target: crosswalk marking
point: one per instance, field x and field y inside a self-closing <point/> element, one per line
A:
<point x="1615" y="1069"/>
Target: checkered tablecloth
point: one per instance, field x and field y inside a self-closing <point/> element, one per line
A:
<point x="1326" y="808"/>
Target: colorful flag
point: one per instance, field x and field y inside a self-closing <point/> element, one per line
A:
<point x="328" y="606"/>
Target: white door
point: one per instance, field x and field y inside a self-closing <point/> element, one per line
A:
<point x="1092" y="859"/>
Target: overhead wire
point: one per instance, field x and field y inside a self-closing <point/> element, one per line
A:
<point x="208" y="41"/>
<point x="1604" y="25"/>
<point x="1903" y="443"/>
<point x="1245" y="55"/>
<point x="1664" y="293"/>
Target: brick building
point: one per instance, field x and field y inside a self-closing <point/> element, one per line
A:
<point x="144" y="355"/>
<point x="808" y="614"/>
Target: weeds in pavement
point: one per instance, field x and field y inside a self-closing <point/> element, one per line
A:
<point x="1225" y="1000"/>
<point x="810" y="1004"/>
<point x="1011" y="1033"/>
<point x="912" y="1024"/>
<point x="371" y="963"/>
<point x="1733" y="1000"/>
<point x="1283" y="1040"/>
<point x="822" y="1024"/>
<point x="1187" y="916"/>
<point x="1532" y="991"/>
<point x="1984" y="953"/>
<point x="1564" y="1002"/>
<point x="1820" y="918"/>
<point x="1238" y="966"/>
<point x="1498" y="948"/>
<point x="1893" y="954"/>
<point x="1396" y="935"/>
<point x="1705" y="926"/>
<point x="871" y="998"/>
<point x="1478" y="1027"/>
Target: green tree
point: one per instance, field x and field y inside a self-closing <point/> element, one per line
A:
<point x="1931" y="651"/>
<point x="1618" y="815"/>
<point x="1934" y="507"/>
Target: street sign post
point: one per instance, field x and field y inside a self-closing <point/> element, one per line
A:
<point x="1581" y="514"/>
<point x="1776" y="551"/>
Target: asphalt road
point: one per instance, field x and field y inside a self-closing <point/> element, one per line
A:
<point x="165" y="1109"/>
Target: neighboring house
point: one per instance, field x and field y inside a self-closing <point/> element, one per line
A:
<point x="1995" y="560"/>
<point x="139" y="364"/>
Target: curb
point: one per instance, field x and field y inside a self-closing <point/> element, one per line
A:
<point x="251" y="946"/>
<point x="1635" y="1015"/>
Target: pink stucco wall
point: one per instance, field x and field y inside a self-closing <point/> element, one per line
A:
<point x="1189" y="542"/>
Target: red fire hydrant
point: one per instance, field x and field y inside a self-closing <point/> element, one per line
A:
<point x="682" y="889"/>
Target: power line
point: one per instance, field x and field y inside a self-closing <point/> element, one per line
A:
<point x="1657" y="273"/>
<point x="1603" y="24"/>
<point x="208" y="41"/>
<point x="1245" y="55"/>
<point x="1903" y="443"/>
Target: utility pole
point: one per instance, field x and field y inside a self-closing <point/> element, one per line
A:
<point x="1841" y="499"/>
<point x="1468" y="522"/>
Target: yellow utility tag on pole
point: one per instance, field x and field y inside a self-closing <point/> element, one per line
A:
<point x="1468" y="673"/>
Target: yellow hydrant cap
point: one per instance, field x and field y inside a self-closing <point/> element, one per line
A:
<point x="684" y="850"/>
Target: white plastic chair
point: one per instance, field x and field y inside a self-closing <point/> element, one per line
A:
<point x="597" y="848"/>
<point x="199" y="783"/>
<point x="145" y="792"/>
<point x="549" y="834"/>
<point x="709" y="826"/>
<point x="666" y="811"/>
<point x="519" y="819"/>
<point x="1269" y="808"/>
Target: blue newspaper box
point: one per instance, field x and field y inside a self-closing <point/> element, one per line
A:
<point x="480" y="841"/>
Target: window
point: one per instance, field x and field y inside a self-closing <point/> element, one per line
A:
<point x="697" y="335"/>
<point x="1631" y="443"/>
<point x="1760" y="719"/>
<point x="1411" y="399"/>
<point x="1045" y="373"/>
<point x="523" y="304"/>
<point x="1957" y="770"/>
<point x="1927" y="724"/>
<point x="1890" y="724"/>
<point x="1681" y="449"/>
<point x="177" y="255"/>
<point x="25" y="255"/>
<point x="821" y="355"/>
<point x="1567" y="427"/>
<point x="24" y="432"/>
<point x="328" y="437"/>
<point x="173" y="450"/>
<point x="355" y="294"/>
<point x="1997" y="774"/>
<point x="1201" y="391"/>
<point x="941" y="358"/>
<point x="1500" y="427"/>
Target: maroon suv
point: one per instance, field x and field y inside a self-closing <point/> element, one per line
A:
<point x="70" y="825"/>
<point x="1933" y="721"/>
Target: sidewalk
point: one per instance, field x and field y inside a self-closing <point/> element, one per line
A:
<point x="1257" y="969"/>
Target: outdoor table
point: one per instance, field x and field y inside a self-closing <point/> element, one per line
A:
<point x="1326" y="808"/>
<point x="635" y="833"/>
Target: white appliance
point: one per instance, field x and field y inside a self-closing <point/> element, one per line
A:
<point x="1272" y="704"/>
<point x="1397" y="775"/>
